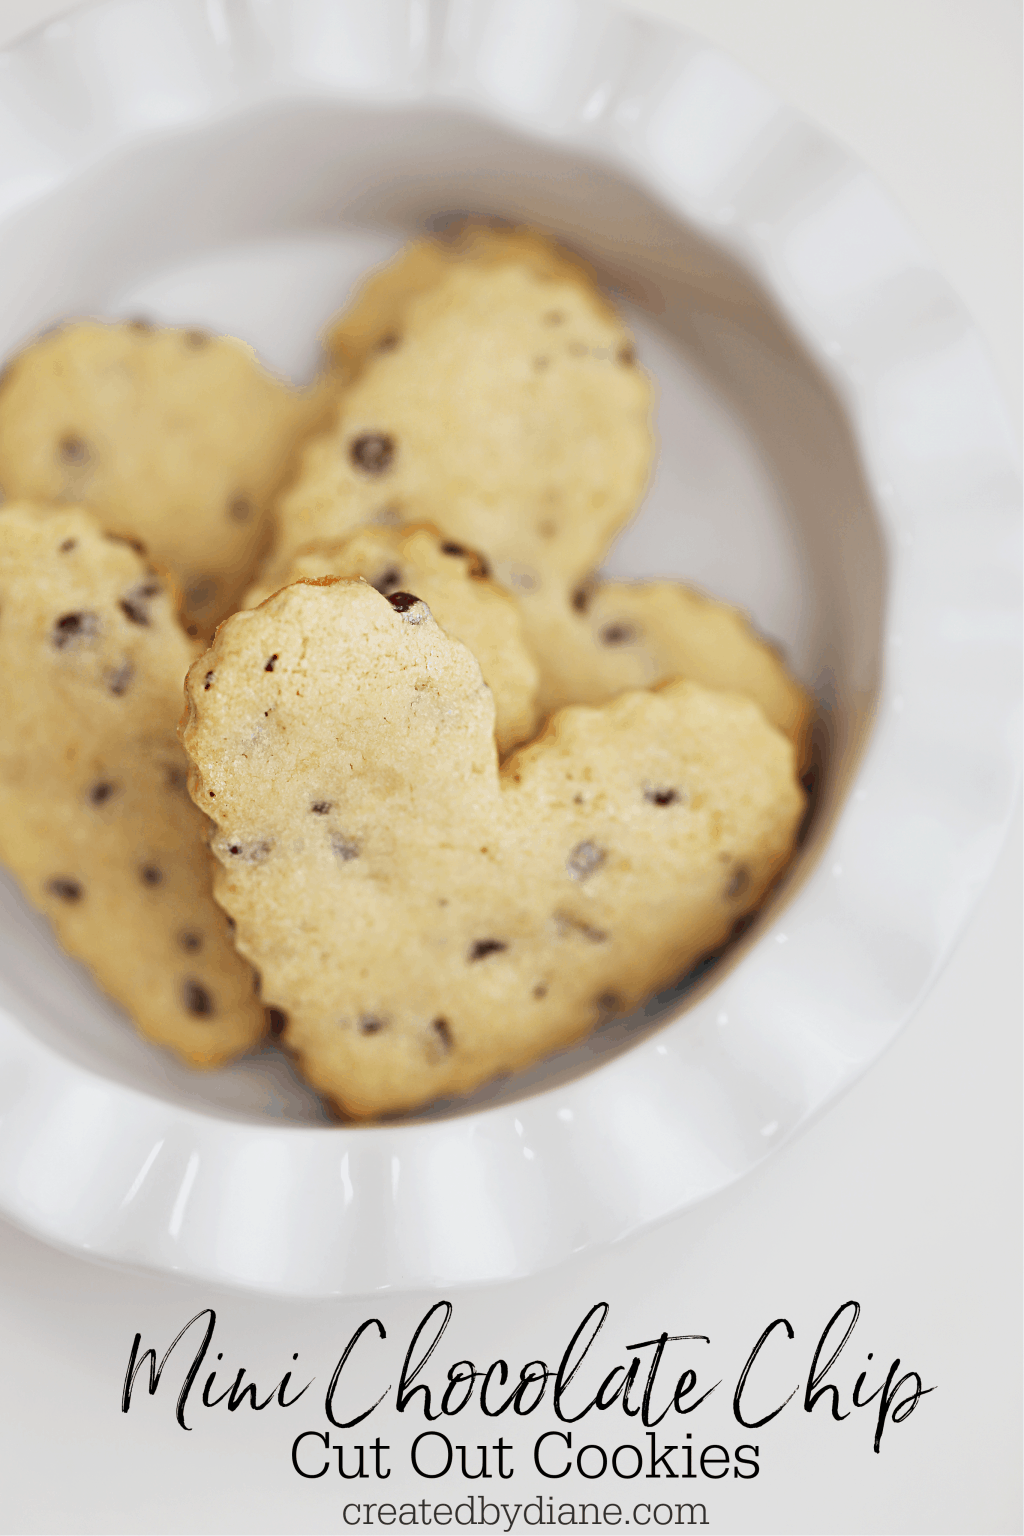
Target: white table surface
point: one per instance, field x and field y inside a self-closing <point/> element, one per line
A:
<point x="905" y="1196"/>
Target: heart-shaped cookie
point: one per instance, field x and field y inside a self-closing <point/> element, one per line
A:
<point x="95" y="819"/>
<point x="424" y="920"/>
<point x="454" y="583"/>
<point x="174" y="437"/>
<point x="502" y="404"/>
<point x="609" y="636"/>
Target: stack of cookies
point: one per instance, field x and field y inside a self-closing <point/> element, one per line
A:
<point x="464" y="800"/>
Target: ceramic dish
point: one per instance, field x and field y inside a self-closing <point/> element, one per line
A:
<point x="834" y="457"/>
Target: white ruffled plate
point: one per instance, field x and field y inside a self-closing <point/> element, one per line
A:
<point x="834" y="457"/>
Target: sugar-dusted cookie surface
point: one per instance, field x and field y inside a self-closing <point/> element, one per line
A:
<point x="174" y="437"/>
<point x="503" y="404"/>
<point x="424" y="920"/>
<point x="610" y="636"/>
<point x="95" y="819"/>
<point x="454" y="584"/>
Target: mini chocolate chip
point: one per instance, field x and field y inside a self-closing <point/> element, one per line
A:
<point x="449" y="547"/>
<point x="741" y="925"/>
<point x="443" y="1033"/>
<point x="581" y="598"/>
<point x="208" y="682"/>
<point x="540" y="990"/>
<point x="344" y="848"/>
<point x="373" y="452"/>
<point x="240" y="508"/>
<point x="74" y="626"/>
<point x="626" y="356"/>
<point x="252" y="853"/>
<point x="101" y="791"/>
<point x="566" y="924"/>
<point x="196" y="338"/>
<point x="141" y="325"/>
<point x="554" y="317"/>
<point x="478" y="569"/>
<point x="387" y="582"/>
<point x="72" y="449"/>
<point x="197" y="998"/>
<point x="66" y="888"/>
<point x="135" y="604"/>
<point x="321" y="807"/>
<point x="149" y="874"/>
<point x="617" y="634"/>
<point x="406" y="603"/>
<point x="368" y="1025"/>
<point x="190" y="940"/>
<point x="118" y="678"/>
<point x="270" y="664"/>
<point x="480" y="948"/>
<point x="608" y="1004"/>
<point x="192" y="629"/>
<point x="584" y="860"/>
<point x="201" y="593"/>
<point x="276" y="1022"/>
<point x="661" y="796"/>
<point x="388" y="342"/>
<point x="67" y="545"/>
<point x="578" y="800"/>
<point x="738" y="884"/>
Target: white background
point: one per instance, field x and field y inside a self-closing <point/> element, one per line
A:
<point x="905" y="1196"/>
